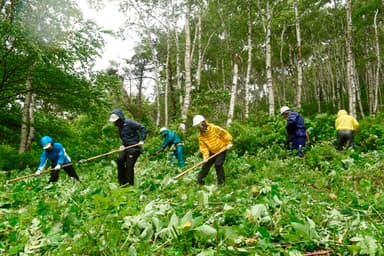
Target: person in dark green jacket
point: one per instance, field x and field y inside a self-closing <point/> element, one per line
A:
<point x="172" y="140"/>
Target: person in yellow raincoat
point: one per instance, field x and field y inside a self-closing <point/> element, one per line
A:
<point x="346" y="125"/>
<point x="214" y="142"/>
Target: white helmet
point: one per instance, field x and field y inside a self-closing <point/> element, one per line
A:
<point x="113" y="118"/>
<point x="284" y="109"/>
<point x="197" y="119"/>
<point x="163" y="129"/>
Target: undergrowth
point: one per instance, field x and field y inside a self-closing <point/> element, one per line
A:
<point x="273" y="203"/>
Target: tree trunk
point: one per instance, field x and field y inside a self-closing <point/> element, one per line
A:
<point x="178" y="65"/>
<point x="157" y="89"/>
<point x="299" y="57"/>
<point x="233" y="91"/>
<point x="158" y="112"/>
<point x="199" y="51"/>
<point x="188" y="79"/>
<point x="169" y="80"/>
<point x="350" y="65"/>
<point x="268" y="66"/>
<point x="139" y="94"/>
<point x="249" y="63"/>
<point x="378" y="68"/>
<point x="282" y="97"/>
<point x="31" y="133"/>
<point x="25" y="124"/>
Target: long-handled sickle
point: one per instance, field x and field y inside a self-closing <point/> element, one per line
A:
<point x="198" y="164"/>
<point x="81" y="161"/>
<point x="147" y="159"/>
<point x="108" y="153"/>
<point x="33" y="174"/>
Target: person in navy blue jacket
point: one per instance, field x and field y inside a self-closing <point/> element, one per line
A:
<point x="131" y="133"/>
<point x="297" y="134"/>
<point x="55" y="153"/>
<point x="172" y="140"/>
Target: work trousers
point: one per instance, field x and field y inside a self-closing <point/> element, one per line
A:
<point x="219" y="162"/>
<point x="125" y="166"/>
<point x="298" y="144"/>
<point x="68" y="169"/>
<point x="344" y="139"/>
<point x="179" y="154"/>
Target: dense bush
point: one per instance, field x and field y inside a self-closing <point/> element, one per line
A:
<point x="273" y="203"/>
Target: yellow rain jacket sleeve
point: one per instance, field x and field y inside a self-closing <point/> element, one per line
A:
<point x="213" y="140"/>
<point x="345" y="122"/>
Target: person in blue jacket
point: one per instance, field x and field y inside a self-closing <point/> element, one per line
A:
<point x="297" y="133"/>
<point x="55" y="153"/>
<point x="131" y="133"/>
<point x="172" y="140"/>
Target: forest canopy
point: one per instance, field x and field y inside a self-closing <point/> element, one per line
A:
<point x="234" y="62"/>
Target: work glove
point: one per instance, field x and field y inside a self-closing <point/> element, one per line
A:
<point x="229" y="146"/>
<point x="57" y="167"/>
<point x="121" y="148"/>
<point x="141" y="142"/>
<point x="38" y="172"/>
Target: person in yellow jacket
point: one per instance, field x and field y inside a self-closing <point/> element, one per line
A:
<point x="346" y="125"/>
<point x="214" y="142"/>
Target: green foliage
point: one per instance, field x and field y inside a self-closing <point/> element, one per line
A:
<point x="8" y="156"/>
<point x="273" y="203"/>
<point x="370" y="135"/>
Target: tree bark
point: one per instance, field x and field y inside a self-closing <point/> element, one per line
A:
<point x="169" y="80"/>
<point x="249" y="63"/>
<point x="188" y="79"/>
<point x="299" y="57"/>
<point x="350" y="65"/>
<point x="378" y="68"/>
<point x="233" y="91"/>
<point x="268" y="65"/>
<point x="25" y="124"/>
<point x="283" y="68"/>
<point x="199" y="51"/>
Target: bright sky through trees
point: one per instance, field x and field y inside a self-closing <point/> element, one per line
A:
<point x="109" y="18"/>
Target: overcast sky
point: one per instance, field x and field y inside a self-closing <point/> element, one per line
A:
<point x="109" y="18"/>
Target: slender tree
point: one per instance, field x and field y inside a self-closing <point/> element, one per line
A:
<point x="187" y="65"/>
<point x="249" y="62"/>
<point x="232" y="102"/>
<point x="299" y="57"/>
<point x="350" y="62"/>
<point x="375" y="91"/>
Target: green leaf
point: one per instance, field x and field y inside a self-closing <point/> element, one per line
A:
<point x="207" y="231"/>
<point x="367" y="244"/>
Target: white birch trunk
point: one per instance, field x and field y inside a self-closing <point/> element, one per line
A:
<point x="178" y="68"/>
<point x="299" y="57"/>
<point x="271" y="95"/>
<point x="249" y="63"/>
<point x="157" y="89"/>
<point x="350" y="66"/>
<point x="199" y="52"/>
<point x="233" y="92"/>
<point x="169" y="80"/>
<point x="283" y="68"/>
<point x="188" y="80"/>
